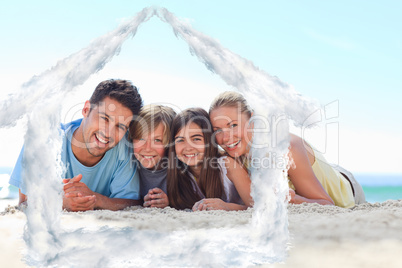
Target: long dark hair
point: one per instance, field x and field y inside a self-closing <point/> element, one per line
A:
<point x="180" y="186"/>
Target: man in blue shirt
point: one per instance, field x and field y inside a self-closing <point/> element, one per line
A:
<point x="96" y="153"/>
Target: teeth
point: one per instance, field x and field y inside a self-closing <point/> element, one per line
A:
<point x="147" y="157"/>
<point x="100" y="139"/>
<point x="190" y="155"/>
<point x="233" y="144"/>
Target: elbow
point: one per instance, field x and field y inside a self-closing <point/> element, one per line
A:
<point x="22" y="198"/>
<point x="249" y="204"/>
<point x="329" y="202"/>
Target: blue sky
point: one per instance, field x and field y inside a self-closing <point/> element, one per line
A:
<point x="349" y="52"/>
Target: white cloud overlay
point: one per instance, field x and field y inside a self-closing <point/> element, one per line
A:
<point x="264" y="240"/>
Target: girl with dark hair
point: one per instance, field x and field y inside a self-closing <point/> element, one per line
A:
<point x="198" y="177"/>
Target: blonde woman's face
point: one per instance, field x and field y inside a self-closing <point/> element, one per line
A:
<point x="149" y="149"/>
<point x="232" y="130"/>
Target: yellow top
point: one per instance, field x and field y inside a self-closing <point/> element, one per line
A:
<point x="336" y="185"/>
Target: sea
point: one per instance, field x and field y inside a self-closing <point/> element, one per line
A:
<point x="377" y="187"/>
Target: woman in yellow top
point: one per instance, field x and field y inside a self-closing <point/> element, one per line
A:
<point x="311" y="178"/>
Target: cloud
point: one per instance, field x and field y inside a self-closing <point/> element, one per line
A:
<point x="266" y="237"/>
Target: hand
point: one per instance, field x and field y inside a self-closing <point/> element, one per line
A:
<point x="210" y="204"/>
<point x="77" y="196"/>
<point x="79" y="203"/>
<point x="74" y="186"/>
<point x="156" y="198"/>
<point x="75" y="179"/>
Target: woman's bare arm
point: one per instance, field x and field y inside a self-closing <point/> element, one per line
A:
<point x="308" y="188"/>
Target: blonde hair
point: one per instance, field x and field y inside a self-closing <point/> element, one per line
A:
<point x="149" y="118"/>
<point x="231" y="99"/>
<point x="235" y="100"/>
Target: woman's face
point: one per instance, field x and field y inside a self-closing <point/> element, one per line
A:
<point x="190" y="145"/>
<point x="232" y="130"/>
<point x="149" y="149"/>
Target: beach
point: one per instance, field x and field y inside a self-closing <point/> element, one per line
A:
<point x="368" y="235"/>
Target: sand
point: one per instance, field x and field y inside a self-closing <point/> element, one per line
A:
<point x="368" y="235"/>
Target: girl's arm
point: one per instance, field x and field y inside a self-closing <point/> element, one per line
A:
<point x="216" y="204"/>
<point x="239" y="177"/>
<point x="308" y="188"/>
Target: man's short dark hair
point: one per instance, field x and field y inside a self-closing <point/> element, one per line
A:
<point x="122" y="91"/>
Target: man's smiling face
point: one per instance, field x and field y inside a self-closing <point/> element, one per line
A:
<point x="104" y="125"/>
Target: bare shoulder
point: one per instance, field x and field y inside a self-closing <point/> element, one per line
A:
<point x="299" y="147"/>
<point x="295" y="141"/>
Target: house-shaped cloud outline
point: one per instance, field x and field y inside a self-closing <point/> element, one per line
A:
<point x="267" y="93"/>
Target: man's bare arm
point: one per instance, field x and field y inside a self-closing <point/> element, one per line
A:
<point x="103" y="202"/>
<point x="74" y="188"/>
<point x="22" y="198"/>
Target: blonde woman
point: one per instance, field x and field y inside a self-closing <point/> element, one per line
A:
<point x="311" y="178"/>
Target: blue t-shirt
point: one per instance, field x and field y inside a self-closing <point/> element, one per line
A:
<point x="114" y="176"/>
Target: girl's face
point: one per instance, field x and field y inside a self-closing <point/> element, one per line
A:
<point x="190" y="145"/>
<point x="232" y="130"/>
<point x="150" y="149"/>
